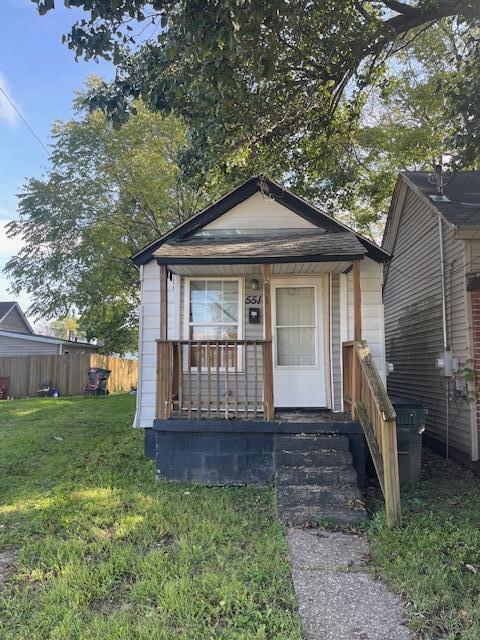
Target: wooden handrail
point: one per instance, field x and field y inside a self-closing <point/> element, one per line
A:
<point x="214" y="378"/>
<point x="366" y="396"/>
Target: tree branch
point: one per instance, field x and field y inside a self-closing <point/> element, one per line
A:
<point x="420" y="16"/>
<point x="400" y="7"/>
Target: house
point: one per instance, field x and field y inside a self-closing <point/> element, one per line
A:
<point x="432" y="304"/>
<point x="251" y="314"/>
<point x="17" y="338"/>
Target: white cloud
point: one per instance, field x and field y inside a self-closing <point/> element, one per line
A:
<point x="7" y="113"/>
<point x="8" y="246"/>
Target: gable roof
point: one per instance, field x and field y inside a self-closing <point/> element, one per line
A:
<point x="463" y="192"/>
<point x="7" y="307"/>
<point x="283" y="196"/>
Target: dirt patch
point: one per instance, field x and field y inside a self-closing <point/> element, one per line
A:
<point x="8" y="559"/>
<point x="106" y="606"/>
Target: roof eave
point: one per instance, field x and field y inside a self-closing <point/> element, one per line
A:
<point x="219" y="260"/>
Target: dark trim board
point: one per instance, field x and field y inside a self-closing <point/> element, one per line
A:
<point x="221" y="425"/>
<point x="258" y="260"/>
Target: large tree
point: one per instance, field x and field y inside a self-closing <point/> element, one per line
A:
<point x="106" y="194"/>
<point x="333" y="96"/>
<point x="283" y="67"/>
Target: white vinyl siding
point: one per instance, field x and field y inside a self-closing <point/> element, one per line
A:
<point x="260" y="212"/>
<point x="372" y="313"/>
<point x="149" y="334"/>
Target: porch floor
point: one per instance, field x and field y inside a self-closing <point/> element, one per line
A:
<point x="312" y="415"/>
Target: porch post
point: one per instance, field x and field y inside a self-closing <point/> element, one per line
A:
<point x="357" y="302"/>
<point x="357" y="335"/>
<point x="269" y="410"/>
<point x="163" y="302"/>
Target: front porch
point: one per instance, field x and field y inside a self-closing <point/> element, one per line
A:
<point x="218" y="421"/>
<point x="281" y="346"/>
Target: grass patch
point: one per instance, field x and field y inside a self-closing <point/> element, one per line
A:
<point x="434" y="560"/>
<point x="105" y="553"/>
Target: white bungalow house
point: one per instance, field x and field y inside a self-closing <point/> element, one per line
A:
<point x="249" y="315"/>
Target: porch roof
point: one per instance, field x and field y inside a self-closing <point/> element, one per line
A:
<point x="303" y="245"/>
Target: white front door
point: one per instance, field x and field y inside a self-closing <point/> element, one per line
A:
<point x="298" y="343"/>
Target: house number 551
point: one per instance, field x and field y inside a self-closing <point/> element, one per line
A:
<point x="253" y="300"/>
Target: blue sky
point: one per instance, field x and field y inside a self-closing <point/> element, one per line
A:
<point x="40" y="75"/>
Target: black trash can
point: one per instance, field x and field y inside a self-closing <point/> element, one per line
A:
<point x="410" y="427"/>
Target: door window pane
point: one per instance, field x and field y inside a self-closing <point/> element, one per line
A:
<point x="295" y="306"/>
<point x="295" y="346"/>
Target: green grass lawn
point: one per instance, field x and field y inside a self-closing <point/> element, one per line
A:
<point x="103" y="552"/>
<point x="434" y="560"/>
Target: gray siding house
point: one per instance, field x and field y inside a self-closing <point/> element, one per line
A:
<point x="430" y="299"/>
<point x="17" y="338"/>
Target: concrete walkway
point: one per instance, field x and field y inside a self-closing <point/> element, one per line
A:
<point x="338" y="599"/>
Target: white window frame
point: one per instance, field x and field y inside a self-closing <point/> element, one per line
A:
<point x="240" y="324"/>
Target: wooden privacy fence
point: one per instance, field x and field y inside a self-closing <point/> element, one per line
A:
<point x="67" y="373"/>
<point x="365" y="395"/>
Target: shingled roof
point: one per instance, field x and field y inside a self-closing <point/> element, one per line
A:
<point x="5" y="307"/>
<point x="462" y="206"/>
<point x="305" y="245"/>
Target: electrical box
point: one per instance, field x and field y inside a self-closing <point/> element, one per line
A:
<point x="254" y="315"/>
<point x="447" y="363"/>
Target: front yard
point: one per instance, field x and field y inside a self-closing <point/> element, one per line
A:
<point x="93" y="548"/>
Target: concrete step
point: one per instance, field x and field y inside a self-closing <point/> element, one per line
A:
<point x="346" y="495"/>
<point x="326" y="476"/>
<point x="312" y="458"/>
<point x="316" y="481"/>
<point x="311" y="516"/>
<point x="307" y="442"/>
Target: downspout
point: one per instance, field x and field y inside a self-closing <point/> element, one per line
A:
<point x="442" y="275"/>
<point x="445" y="331"/>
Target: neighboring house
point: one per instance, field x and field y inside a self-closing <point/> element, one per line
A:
<point x="244" y="310"/>
<point x="17" y="338"/>
<point x="432" y="304"/>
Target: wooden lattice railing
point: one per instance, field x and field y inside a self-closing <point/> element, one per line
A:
<point x="214" y="379"/>
<point x="365" y="395"/>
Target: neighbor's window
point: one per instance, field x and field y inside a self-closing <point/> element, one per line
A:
<point x="214" y="314"/>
